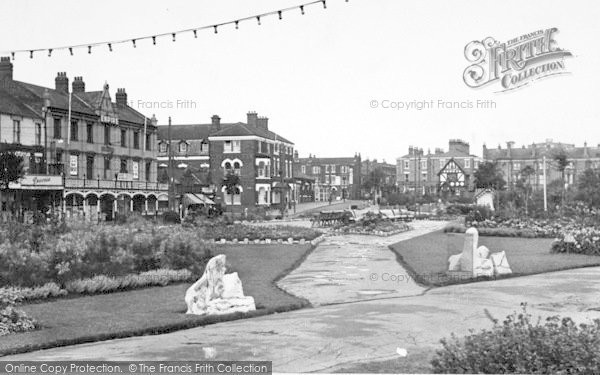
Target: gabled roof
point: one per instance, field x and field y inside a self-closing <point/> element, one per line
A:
<point x="451" y="161"/>
<point x="242" y="129"/>
<point x="203" y="131"/>
<point x="27" y="100"/>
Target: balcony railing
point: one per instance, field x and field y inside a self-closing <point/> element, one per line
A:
<point x="114" y="184"/>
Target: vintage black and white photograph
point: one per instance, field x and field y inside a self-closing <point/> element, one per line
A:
<point x="299" y="186"/>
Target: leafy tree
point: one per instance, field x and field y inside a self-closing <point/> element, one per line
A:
<point x="524" y="185"/>
<point x="11" y="169"/>
<point x="374" y="181"/>
<point x="489" y="176"/>
<point x="588" y="188"/>
<point x="562" y="162"/>
<point x="231" y="183"/>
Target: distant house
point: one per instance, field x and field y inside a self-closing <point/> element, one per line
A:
<point x="438" y="172"/>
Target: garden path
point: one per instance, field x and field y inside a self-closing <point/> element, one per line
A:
<point x="355" y="268"/>
<point x="327" y="338"/>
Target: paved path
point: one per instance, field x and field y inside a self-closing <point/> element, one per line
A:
<point x="330" y="337"/>
<point x="353" y="267"/>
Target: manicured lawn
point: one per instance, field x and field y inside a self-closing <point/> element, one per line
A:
<point x="414" y="363"/>
<point x="159" y="309"/>
<point x="426" y="257"/>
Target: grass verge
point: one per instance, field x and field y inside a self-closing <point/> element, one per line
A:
<point x="425" y="257"/>
<point x="158" y="310"/>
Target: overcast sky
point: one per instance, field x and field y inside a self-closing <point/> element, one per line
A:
<point x="315" y="76"/>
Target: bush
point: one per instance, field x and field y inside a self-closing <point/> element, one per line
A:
<point x="185" y="250"/>
<point x="11" y="319"/>
<point x="518" y="345"/>
<point x="171" y="217"/>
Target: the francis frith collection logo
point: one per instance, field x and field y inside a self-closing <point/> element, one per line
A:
<point x="514" y="63"/>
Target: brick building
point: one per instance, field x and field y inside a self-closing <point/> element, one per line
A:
<point x="104" y="151"/>
<point x="441" y="171"/>
<point x="335" y="178"/>
<point x="261" y="158"/>
<point x="512" y="160"/>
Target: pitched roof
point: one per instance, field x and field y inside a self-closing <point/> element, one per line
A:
<point x="27" y="100"/>
<point x="203" y="131"/>
<point x="535" y="152"/>
<point x="447" y="154"/>
<point x="332" y="160"/>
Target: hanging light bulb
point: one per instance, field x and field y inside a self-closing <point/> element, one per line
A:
<point x="302" y="9"/>
<point x="279" y="12"/>
<point x="50" y="52"/>
<point x="89" y="49"/>
<point x="71" y="50"/>
<point x="237" y="25"/>
<point x="110" y="47"/>
<point x="133" y="41"/>
<point x="324" y="4"/>
<point x="154" y="40"/>
<point x="258" y="19"/>
<point x="13" y="55"/>
<point x="173" y="36"/>
<point x="31" y="54"/>
<point x="195" y="33"/>
<point x="215" y="26"/>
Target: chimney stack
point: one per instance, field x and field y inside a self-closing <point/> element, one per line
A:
<point x="61" y="82"/>
<point x="6" y="68"/>
<point x="78" y="85"/>
<point x="215" y="123"/>
<point x="252" y="118"/>
<point x="262" y="123"/>
<point x="121" y="97"/>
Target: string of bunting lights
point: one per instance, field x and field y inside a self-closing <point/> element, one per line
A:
<point x="134" y="41"/>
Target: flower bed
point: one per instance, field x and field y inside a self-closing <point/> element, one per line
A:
<point x="372" y="224"/>
<point x="494" y="232"/>
<point x="542" y="228"/>
<point x="240" y="232"/>
<point x="81" y="252"/>
<point x="585" y="240"/>
<point x="11" y="319"/>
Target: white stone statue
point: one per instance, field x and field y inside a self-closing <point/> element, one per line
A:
<point x="477" y="260"/>
<point x="217" y="293"/>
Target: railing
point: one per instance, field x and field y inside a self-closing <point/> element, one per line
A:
<point x="114" y="184"/>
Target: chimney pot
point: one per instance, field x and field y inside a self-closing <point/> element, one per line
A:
<point x="78" y="85"/>
<point x="6" y="68"/>
<point x="61" y="82"/>
<point x="252" y="118"/>
<point x="215" y="123"/>
<point x="121" y="97"/>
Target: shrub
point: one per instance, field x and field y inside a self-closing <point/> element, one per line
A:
<point x="105" y="284"/>
<point x="184" y="250"/>
<point x="171" y="217"/>
<point x="48" y="290"/>
<point x="11" y="319"/>
<point x="519" y="345"/>
<point x="20" y="266"/>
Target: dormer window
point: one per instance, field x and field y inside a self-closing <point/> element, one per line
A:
<point x="162" y="147"/>
<point x="182" y="146"/>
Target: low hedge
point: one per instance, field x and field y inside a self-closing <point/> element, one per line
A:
<point x="494" y="232"/>
<point x="100" y="284"/>
<point x="521" y="345"/>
